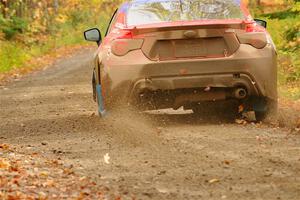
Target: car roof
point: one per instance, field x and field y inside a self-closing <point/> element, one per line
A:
<point x="238" y="2"/>
<point x="124" y="7"/>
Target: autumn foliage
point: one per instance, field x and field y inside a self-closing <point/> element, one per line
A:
<point x="32" y="28"/>
<point x="46" y="16"/>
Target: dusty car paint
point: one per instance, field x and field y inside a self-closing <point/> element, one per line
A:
<point x="171" y="64"/>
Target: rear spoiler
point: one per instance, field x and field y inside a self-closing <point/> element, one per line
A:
<point x="207" y="24"/>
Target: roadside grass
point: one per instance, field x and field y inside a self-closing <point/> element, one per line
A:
<point x="290" y="92"/>
<point x="23" y="48"/>
<point x="284" y="27"/>
<point x="14" y="54"/>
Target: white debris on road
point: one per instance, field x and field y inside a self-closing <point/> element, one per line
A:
<point x="106" y="158"/>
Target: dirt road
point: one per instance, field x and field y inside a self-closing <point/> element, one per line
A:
<point x="157" y="155"/>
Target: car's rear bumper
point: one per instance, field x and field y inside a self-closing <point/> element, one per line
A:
<point x="250" y="68"/>
<point x="231" y="80"/>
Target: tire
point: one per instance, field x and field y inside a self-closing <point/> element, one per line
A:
<point x="261" y="115"/>
<point x="100" y="102"/>
<point x="269" y="113"/>
<point x="94" y="87"/>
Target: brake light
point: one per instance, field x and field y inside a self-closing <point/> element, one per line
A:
<point x="124" y="42"/>
<point x="124" y="34"/>
<point x="254" y="35"/>
<point x="253" y="27"/>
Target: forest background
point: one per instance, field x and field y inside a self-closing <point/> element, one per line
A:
<point x="30" y="29"/>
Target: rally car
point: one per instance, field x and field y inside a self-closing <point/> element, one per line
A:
<point x="160" y="54"/>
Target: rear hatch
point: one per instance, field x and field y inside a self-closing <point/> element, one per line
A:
<point x="189" y="41"/>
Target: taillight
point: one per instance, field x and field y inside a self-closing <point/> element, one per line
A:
<point x="123" y="34"/>
<point x="123" y="42"/>
<point x="253" y="27"/>
<point x="254" y="35"/>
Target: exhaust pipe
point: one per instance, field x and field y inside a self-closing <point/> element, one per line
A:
<point x="240" y="93"/>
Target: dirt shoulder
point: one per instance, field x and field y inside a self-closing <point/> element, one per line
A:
<point x="154" y="155"/>
<point x="41" y="63"/>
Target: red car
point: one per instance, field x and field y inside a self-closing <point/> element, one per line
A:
<point x="170" y="53"/>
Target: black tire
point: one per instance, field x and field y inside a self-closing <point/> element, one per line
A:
<point x="94" y="87"/>
<point x="101" y="110"/>
<point x="269" y="113"/>
<point x="261" y="115"/>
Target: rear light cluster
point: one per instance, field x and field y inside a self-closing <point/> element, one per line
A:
<point x="253" y="27"/>
<point x="123" y="34"/>
<point x="124" y="42"/>
<point x="254" y="35"/>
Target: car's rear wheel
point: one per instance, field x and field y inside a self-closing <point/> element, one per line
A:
<point x="100" y="101"/>
<point x="94" y="87"/>
<point x="268" y="110"/>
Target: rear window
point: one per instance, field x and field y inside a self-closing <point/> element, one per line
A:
<point x="143" y="12"/>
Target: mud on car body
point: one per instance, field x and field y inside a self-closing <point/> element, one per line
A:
<point x="169" y="54"/>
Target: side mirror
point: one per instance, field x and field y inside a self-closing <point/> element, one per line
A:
<point x="261" y="22"/>
<point x="93" y="35"/>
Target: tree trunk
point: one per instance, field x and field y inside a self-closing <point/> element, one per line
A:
<point x="4" y="6"/>
<point x="56" y="6"/>
<point x="19" y="9"/>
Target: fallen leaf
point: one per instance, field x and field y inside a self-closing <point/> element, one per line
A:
<point x="4" y="164"/>
<point x="4" y="146"/>
<point x="106" y="158"/>
<point x="42" y="196"/>
<point x="258" y="138"/>
<point x="44" y="143"/>
<point x="44" y="174"/>
<point x="82" y="178"/>
<point x="227" y="162"/>
<point x="207" y="89"/>
<point x="49" y="183"/>
<point x="241" y="121"/>
<point x="68" y="171"/>
<point x="214" y="181"/>
<point x="241" y="108"/>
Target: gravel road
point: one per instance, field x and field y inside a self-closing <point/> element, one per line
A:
<point x="154" y="155"/>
